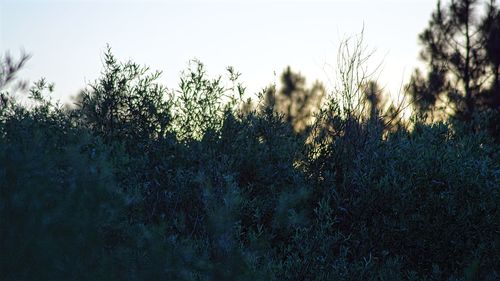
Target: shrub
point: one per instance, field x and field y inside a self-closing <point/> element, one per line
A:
<point x="140" y="184"/>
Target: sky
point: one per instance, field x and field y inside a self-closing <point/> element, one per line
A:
<point x="258" y="38"/>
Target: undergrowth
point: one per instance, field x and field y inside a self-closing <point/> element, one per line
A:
<point x="140" y="182"/>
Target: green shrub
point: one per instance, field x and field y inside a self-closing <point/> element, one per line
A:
<point x="138" y="183"/>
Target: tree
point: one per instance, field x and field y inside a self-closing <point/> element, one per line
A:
<point x="490" y="32"/>
<point x="8" y="70"/>
<point x="381" y="112"/>
<point x="459" y="48"/>
<point x="296" y="102"/>
<point x="373" y="94"/>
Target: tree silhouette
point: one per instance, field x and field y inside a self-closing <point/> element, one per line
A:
<point x="294" y="100"/>
<point x="8" y="70"/>
<point x="460" y="48"/>
<point x="380" y="111"/>
<point x="373" y="96"/>
<point x="490" y="32"/>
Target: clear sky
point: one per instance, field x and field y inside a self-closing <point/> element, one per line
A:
<point x="259" y="38"/>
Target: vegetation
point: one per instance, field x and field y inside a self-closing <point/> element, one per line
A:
<point x="141" y="182"/>
<point x="461" y="48"/>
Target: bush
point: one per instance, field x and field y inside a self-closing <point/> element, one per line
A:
<point x="140" y="184"/>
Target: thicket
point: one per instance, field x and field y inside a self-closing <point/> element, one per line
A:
<point x="141" y="182"/>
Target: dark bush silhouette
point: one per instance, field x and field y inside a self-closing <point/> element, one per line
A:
<point x="139" y="182"/>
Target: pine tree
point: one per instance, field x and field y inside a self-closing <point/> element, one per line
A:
<point x="459" y="48"/>
<point x="294" y="100"/>
<point x="490" y="32"/>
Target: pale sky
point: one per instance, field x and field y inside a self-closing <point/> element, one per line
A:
<point x="259" y="38"/>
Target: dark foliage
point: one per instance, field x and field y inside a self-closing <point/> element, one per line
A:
<point x="460" y="47"/>
<point x="143" y="183"/>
